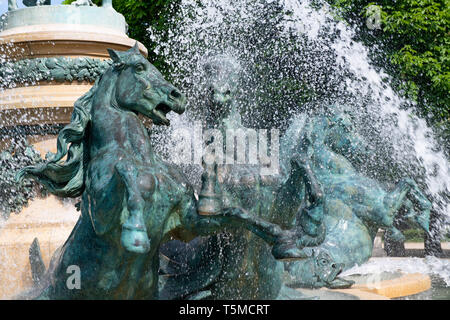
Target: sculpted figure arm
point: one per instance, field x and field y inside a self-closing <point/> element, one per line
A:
<point x="207" y="217"/>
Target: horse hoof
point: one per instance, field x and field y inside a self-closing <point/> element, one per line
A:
<point x="134" y="240"/>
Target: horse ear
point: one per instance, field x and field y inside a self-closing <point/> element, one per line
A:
<point x="114" y="55"/>
<point x="136" y="47"/>
<point x="307" y="133"/>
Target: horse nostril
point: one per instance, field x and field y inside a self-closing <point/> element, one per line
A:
<point x="175" y="93"/>
<point x="179" y="101"/>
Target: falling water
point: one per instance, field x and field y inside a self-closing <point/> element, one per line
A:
<point x="429" y="265"/>
<point x="297" y="58"/>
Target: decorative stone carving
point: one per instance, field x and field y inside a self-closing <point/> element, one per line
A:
<point x="59" y="69"/>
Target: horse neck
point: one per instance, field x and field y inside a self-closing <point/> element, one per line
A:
<point x="314" y="144"/>
<point x="326" y="158"/>
<point x="114" y="127"/>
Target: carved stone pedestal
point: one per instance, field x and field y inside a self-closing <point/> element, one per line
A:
<point x="49" y="220"/>
<point x="53" y="56"/>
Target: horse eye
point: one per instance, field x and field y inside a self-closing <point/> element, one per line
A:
<point x="140" y="67"/>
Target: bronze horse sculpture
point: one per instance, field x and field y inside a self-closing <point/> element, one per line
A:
<point x="351" y="206"/>
<point x="131" y="201"/>
<point x="239" y="265"/>
<point x="356" y="206"/>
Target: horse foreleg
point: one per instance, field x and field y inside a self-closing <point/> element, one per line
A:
<point x="397" y="198"/>
<point x="310" y="216"/>
<point x="310" y="230"/>
<point x="392" y="203"/>
<point x="134" y="236"/>
<point x="288" y="199"/>
<point x="285" y="243"/>
<point x="423" y="217"/>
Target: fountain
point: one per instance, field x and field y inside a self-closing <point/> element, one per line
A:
<point x="295" y="65"/>
<point x="258" y="221"/>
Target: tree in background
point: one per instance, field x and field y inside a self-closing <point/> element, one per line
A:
<point x="140" y="15"/>
<point x="415" y="37"/>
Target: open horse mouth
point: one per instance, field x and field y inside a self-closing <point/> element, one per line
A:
<point x="338" y="267"/>
<point x="160" y="111"/>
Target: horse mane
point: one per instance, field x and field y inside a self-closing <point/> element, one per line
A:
<point x="308" y="134"/>
<point x="67" y="178"/>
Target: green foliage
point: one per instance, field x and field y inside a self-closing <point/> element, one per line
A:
<point x="13" y="196"/>
<point x="415" y="37"/>
<point x="418" y="235"/>
<point x="140" y="15"/>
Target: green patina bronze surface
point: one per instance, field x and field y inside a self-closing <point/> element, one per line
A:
<point x="341" y="209"/>
<point x="132" y="202"/>
<point x="239" y="265"/>
<point x="356" y="206"/>
<point x="58" y="69"/>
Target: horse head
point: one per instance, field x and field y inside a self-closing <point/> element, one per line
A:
<point x="319" y="270"/>
<point x="336" y="131"/>
<point x="141" y="88"/>
<point x="221" y="79"/>
<point x="342" y="136"/>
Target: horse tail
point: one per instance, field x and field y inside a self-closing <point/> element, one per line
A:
<point x="66" y="178"/>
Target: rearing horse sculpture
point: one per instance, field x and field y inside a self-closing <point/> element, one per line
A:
<point x="132" y="201"/>
<point x="239" y="265"/>
<point x="356" y="205"/>
<point x="109" y="147"/>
